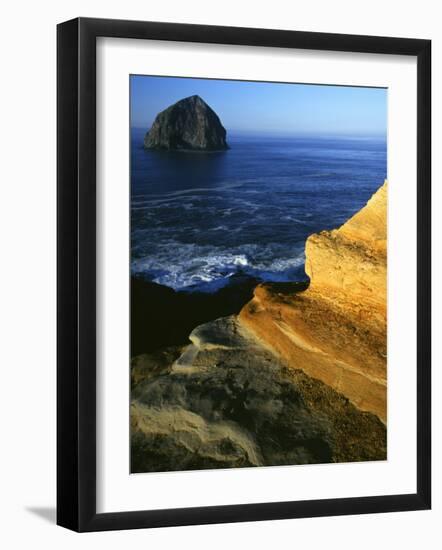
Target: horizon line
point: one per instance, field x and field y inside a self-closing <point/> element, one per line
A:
<point x="287" y="133"/>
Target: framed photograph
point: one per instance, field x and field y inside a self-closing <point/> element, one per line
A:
<point x="243" y="274"/>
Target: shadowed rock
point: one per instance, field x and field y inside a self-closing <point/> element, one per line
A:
<point x="162" y="317"/>
<point x="228" y="402"/>
<point x="189" y="124"/>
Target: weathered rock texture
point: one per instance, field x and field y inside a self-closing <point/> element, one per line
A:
<point x="226" y="401"/>
<point x="335" y="331"/>
<point x="293" y="379"/>
<point x="189" y="124"/>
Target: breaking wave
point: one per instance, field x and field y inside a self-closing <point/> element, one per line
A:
<point x="207" y="268"/>
<point x="199" y="221"/>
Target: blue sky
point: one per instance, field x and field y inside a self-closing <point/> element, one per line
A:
<point x="267" y="107"/>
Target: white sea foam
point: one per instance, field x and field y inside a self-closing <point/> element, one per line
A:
<point x="182" y="266"/>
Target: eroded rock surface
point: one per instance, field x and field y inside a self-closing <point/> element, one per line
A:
<point x="335" y="331"/>
<point x="227" y="401"/>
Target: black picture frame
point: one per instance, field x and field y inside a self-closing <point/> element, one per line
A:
<point x="76" y="274"/>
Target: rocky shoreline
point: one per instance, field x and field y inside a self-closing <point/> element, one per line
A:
<point x="265" y="375"/>
<point x="336" y="331"/>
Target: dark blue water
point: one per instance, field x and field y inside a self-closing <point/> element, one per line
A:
<point x="199" y="218"/>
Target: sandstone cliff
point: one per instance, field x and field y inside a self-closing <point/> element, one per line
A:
<point x="189" y="124"/>
<point x="226" y="401"/>
<point x="298" y="377"/>
<point x="335" y="331"/>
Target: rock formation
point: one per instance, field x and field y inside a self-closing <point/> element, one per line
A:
<point x="189" y="124"/>
<point x="298" y="377"/>
<point x="335" y="331"/>
<point x="226" y="401"/>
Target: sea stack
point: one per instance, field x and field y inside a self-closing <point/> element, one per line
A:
<point x="188" y="125"/>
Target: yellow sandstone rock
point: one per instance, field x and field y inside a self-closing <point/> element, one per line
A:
<point x="335" y="330"/>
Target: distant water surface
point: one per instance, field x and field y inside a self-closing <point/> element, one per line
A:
<point x="199" y="218"/>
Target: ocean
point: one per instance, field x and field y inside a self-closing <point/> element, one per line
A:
<point x="199" y="219"/>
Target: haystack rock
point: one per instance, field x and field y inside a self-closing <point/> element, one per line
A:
<point x="335" y="331"/>
<point x="189" y="124"/>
